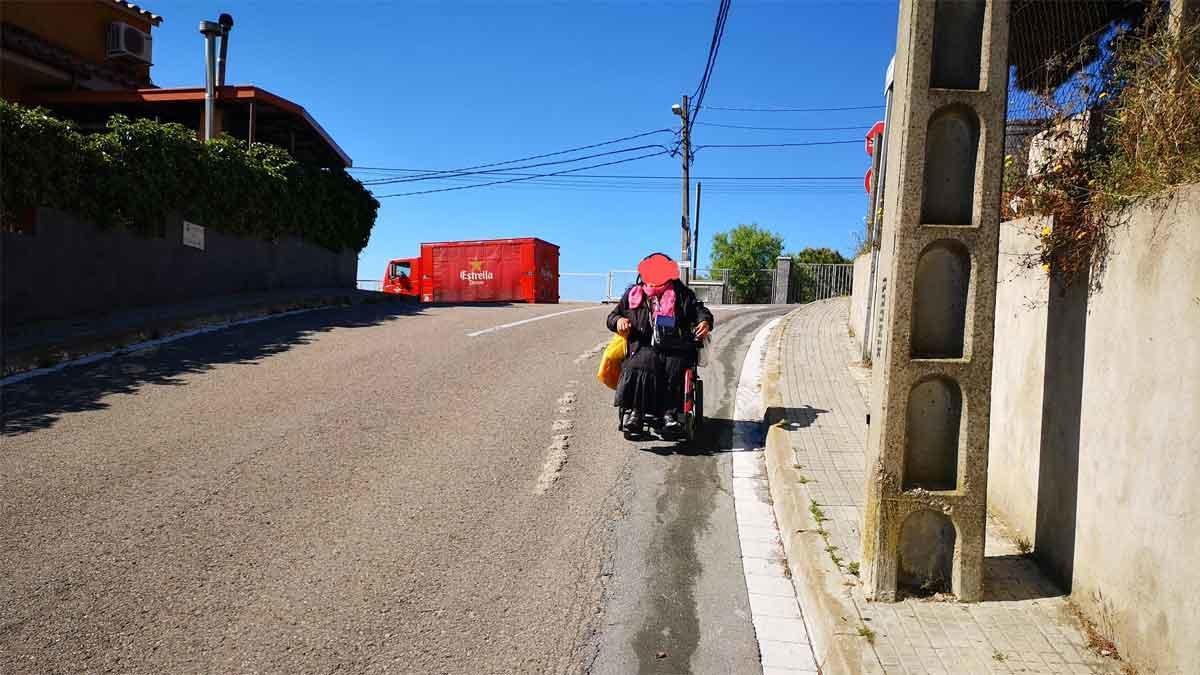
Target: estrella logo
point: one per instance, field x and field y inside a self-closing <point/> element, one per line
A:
<point x="476" y="274"/>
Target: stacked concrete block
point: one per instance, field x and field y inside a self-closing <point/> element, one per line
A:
<point x="783" y="280"/>
<point x="926" y="495"/>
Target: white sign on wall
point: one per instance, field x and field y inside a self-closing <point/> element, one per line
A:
<point x="193" y="235"/>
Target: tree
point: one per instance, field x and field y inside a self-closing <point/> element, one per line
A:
<point x="746" y="251"/>
<point x="820" y="256"/>
<point x="802" y="277"/>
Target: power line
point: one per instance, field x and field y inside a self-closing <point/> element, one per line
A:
<point x="852" y="107"/>
<point x="551" y="154"/>
<point x="523" y="178"/>
<point x="742" y="126"/>
<point x="777" y="145"/>
<point x="713" y="48"/>
<point x="452" y="174"/>
<point x="567" y="182"/>
<point x="638" y="177"/>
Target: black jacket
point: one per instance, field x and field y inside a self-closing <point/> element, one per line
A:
<point x="689" y="312"/>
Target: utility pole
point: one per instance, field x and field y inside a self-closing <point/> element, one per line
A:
<point x="685" y="146"/>
<point x="696" y="238"/>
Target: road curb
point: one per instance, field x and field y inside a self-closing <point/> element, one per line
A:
<point x="830" y="615"/>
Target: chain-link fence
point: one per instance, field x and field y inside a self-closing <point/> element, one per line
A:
<point x="1061" y="58"/>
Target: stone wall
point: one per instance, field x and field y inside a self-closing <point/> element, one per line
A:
<point x="69" y="268"/>
<point x="1095" y="442"/>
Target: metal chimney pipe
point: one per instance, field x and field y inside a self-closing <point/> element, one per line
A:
<point x="210" y="31"/>
<point x="226" y="22"/>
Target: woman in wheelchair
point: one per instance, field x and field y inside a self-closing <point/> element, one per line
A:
<point x="663" y="321"/>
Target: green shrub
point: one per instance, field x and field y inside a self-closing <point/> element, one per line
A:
<point x="137" y="172"/>
<point x="41" y="160"/>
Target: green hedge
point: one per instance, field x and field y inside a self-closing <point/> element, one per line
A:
<point x="138" y="171"/>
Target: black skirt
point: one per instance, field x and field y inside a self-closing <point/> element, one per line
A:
<point x="652" y="381"/>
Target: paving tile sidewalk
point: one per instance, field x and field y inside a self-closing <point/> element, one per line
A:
<point x="1022" y="626"/>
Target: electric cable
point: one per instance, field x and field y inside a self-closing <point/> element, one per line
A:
<point x="452" y="174"/>
<point x="524" y="178"/>
<point x="549" y="154"/>
<point x="753" y="109"/>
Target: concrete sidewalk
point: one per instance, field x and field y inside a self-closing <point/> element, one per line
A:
<point x="817" y="399"/>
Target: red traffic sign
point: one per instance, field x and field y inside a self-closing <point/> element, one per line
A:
<point x="875" y="132"/>
<point x="867" y="181"/>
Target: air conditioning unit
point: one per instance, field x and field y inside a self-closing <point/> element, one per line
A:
<point x="128" y="42"/>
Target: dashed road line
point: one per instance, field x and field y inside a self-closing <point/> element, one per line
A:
<point x="556" y="459"/>
<point x="556" y="452"/>
<point x="591" y="353"/>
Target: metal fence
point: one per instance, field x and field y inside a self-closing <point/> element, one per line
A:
<point x="714" y="286"/>
<point x="718" y="286"/>
<point x="741" y="287"/>
<point x="820" y="281"/>
<point x="583" y="286"/>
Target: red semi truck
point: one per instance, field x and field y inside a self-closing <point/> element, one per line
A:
<point x="491" y="270"/>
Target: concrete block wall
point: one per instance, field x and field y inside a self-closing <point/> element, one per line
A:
<point x="70" y="268"/>
<point x="1095" y="457"/>
<point x="925" y="500"/>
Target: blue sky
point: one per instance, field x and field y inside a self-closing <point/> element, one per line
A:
<point x="446" y="85"/>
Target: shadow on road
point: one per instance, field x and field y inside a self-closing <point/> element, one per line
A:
<point x="38" y="403"/>
<point x="715" y="436"/>
<point x="724" y="435"/>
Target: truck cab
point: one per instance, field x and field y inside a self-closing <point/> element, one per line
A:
<point x="402" y="277"/>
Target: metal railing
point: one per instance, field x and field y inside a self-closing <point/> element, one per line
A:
<point x="812" y="282"/>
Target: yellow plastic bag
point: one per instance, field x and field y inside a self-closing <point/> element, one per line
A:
<point x="609" y="372"/>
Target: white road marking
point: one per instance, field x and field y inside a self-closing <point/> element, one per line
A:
<point x="563" y="425"/>
<point x="522" y="322"/>
<point x="594" y="351"/>
<point x="556" y="458"/>
<point x="783" y="638"/>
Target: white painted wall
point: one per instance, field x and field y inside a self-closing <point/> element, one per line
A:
<point x="1138" y="539"/>
<point x="1018" y="363"/>
<point x="1136" y="545"/>
<point x="858" y="297"/>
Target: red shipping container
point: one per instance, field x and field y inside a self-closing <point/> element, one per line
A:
<point x="495" y="270"/>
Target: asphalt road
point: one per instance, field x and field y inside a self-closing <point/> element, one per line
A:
<point x="367" y="489"/>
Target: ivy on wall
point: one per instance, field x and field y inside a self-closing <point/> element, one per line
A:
<point x="138" y="171"/>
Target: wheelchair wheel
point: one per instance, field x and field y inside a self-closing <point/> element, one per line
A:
<point x="695" y="418"/>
